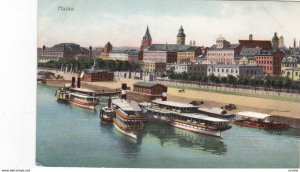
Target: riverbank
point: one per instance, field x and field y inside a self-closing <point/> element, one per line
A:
<point x="287" y="110"/>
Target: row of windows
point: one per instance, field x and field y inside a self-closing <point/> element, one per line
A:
<point x="264" y="62"/>
<point x="220" y="54"/>
<point x="262" y="57"/>
<point x="289" y="73"/>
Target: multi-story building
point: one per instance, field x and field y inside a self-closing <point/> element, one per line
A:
<point x="290" y="67"/>
<point x="247" y="55"/>
<point x="188" y="54"/>
<point x="189" y="68"/>
<point x="134" y="56"/>
<point x="122" y="54"/>
<point x="234" y="70"/>
<point x="62" y="50"/>
<point x="152" y="66"/>
<point x="65" y="50"/>
<point x="270" y="61"/>
<point x="171" y="53"/>
<point x="222" y="52"/>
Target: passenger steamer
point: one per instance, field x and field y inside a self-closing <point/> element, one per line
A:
<point x="80" y="97"/>
<point x="184" y="116"/>
<point x="257" y="120"/>
<point x="106" y="113"/>
<point x="128" y="115"/>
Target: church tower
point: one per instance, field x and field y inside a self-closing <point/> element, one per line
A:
<point x="181" y="37"/>
<point x="295" y="43"/>
<point x="275" y="41"/>
<point x="281" y="42"/>
<point x="147" y="40"/>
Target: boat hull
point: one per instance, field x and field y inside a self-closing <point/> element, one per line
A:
<point x="105" y="118"/>
<point x="201" y="130"/>
<point x="129" y="133"/>
<point x="83" y="105"/>
<point x="259" y="125"/>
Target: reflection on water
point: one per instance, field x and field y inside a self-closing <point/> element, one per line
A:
<point x="69" y="136"/>
<point x="185" y="139"/>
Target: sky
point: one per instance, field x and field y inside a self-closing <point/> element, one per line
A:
<point x="124" y="22"/>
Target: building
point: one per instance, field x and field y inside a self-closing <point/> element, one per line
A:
<point x="97" y="75"/>
<point x="234" y="70"/>
<point x="149" y="88"/>
<point x="275" y="41"/>
<point x="171" y="53"/>
<point x="152" y="66"/>
<point x="251" y="43"/>
<point x="107" y="48"/>
<point x="222" y="52"/>
<point x="290" y="67"/>
<point x="188" y="54"/>
<point x="270" y="61"/>
<point x="134" y="56"/>
<point x="65" y="50"/>
<point x="247" y="55"/>
<point x="189" y="68"/>
<point x="181" y="36"/>
<point x="123" y="54"/>
<point x="147" y="40"/>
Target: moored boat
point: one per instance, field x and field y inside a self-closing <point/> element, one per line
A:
<point x="257" y="120"/>
<point x="106" y="113"/>
<point x="81" y="97"/>
<point x="215" y="112"/>
<point x="185" y="116"/>
<point x="128" y="115"/>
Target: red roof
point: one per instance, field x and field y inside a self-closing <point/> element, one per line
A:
<point x="267" y="45"/>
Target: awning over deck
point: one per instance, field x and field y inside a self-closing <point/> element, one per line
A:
<point x="173" y="104"/>
<point x="249" y="114"/>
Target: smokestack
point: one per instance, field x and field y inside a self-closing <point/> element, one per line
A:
<point x="123" y="93"/>
<point x="73" y="82"/>
<point x="78" y="82"/>
<point x="164" y="94"/>
<point x="109" y="102"/>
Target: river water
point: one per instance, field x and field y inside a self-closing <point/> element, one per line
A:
<point x="68" y="136"/>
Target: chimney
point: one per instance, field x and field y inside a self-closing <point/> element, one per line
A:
<point x="123" y="93"/>
<point x="109" y="102"/>
<point x="73" y="82"/>
<point x="164" y="94"/>
<point x="78" y="82"/>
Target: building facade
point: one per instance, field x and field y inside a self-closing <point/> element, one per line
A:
<point x="189" y="68"/>
<point x="188" y="55"/>
<point x="222" y="52"/>
<point x="270" y="61"/>
<point x="152" y="66"/>
<point x="290" y="67"/>
<point x="149" y="88"/>
<point x="97" y="76"/>
<point x="234" y="70"/>
<point x="65" y="50"/>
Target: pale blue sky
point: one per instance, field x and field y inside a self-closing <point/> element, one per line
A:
<point x="123" y="22"/>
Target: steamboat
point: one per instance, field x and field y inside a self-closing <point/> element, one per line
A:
<point x="184" y="116"/>
<point x="128" y="115"/>
<point x="81" y="97"/>
<point x="106" y="113"/>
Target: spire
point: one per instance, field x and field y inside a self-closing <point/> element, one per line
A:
<point x="147" y="35"/>
<point x="294" y="42"/>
